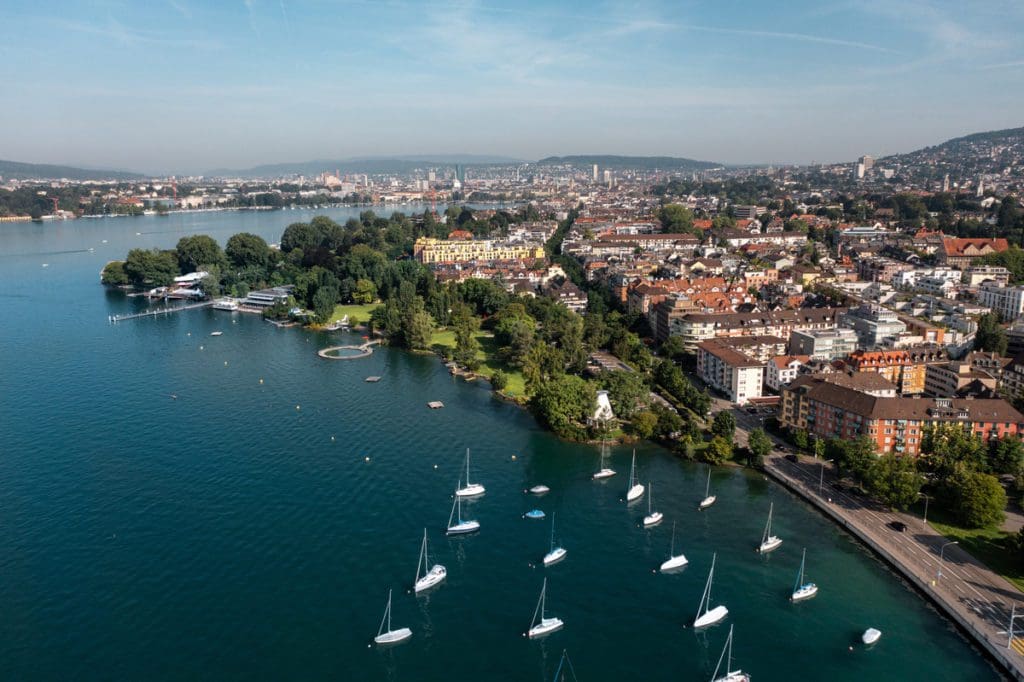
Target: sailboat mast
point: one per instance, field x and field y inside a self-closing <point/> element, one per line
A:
<point x="467" y="466"/>
<point x="552" y="531"/>
<point x="707" y="488"/>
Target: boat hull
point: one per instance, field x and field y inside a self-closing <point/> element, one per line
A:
<point x="707" y="502"/>
<point x="554" y="556"/>
<point x="463" y="528"/>
<point x="770" y="545"/>
<point x="653" y="519"/>
<point x="604" y="473"/>
<point x="545" y="627"/>
<point x="474" y="490"/>
<point x="435" y="576"/>
<point x="674" y="564"/>
<point x="871" y="635"/>
<point x="736" y="676"/>
<point x="534" y="514"/>
<point x="540" y="490"/>
<point x="715" y="615"/>
<point x="392" y="637"/>
<point x="635" y="493"/>
<point x="805" y="592"/>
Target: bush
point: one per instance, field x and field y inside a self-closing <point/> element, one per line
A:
<point x="499" y="380"/>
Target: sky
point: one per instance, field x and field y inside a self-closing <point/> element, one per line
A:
<point x="187" y="85"/>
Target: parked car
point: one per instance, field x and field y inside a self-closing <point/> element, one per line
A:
<point x="898" y="526"/>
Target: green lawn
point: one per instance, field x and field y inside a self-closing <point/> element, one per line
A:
<point x="991" y="546"/>
<point x="360" y="313"/>
<point x="489" y="360"/>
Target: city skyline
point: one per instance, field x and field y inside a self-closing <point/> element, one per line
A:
<point x="178" y="87"/>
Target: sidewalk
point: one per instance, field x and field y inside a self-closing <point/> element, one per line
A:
<point x="969" y="593"/>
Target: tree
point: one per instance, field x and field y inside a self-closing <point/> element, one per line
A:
<point x="976" y="499"/>
<point x="564" y="403"/>
<point x="675" y="218"/>
<point x="465" y="325"/>
<point x="760" y="445"/>
<point x="1009" y="213"/>
<point x="365" y="292"/>
<point x="627" y="391"/>
<point x="302" y="236"/>
<point x="1006" y="456"/>
<point x="644" y="423"/>
<point x="499" y="380"/>
<point x="672" y="348"/>
<point x="990" y="337"/>
<point x="541" y="363"/>
<point x="718" y="451"/>
<point x="724" y="425"/>
<point x="417" y="330"/>
<point x="245" y="250"/>
<point x="114" y="274"/>
<point x="153" y="267"/>
<point x="198" y="250"/>
<point x="853" y="457"/>
<point x="669" y="421"/>
<point x="323" y="303"/>
<point x="894" y="481"/>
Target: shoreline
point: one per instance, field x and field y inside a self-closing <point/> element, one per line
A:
<point x="940" y="592"/>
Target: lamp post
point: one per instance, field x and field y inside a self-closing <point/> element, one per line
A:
<point x="942" y="552"/>
<point x="926" y="498"/>
<point x="821" y="475"/>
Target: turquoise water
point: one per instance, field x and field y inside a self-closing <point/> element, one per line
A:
<point x="237" y="530"/>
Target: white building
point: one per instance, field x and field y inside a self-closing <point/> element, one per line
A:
<point x="735" y="374"/>
<point x="1007" y="301"/>
<point x="782" y="369"/>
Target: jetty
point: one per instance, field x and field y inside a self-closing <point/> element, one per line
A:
<point x="159" y="311"/>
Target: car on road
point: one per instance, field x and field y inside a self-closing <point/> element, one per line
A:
<point x="792" y="458"/>
<point x="898" y="526"/>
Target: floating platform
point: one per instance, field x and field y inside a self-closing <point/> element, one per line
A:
<point x="372" y="380"/>
<point x="435" y="404"/>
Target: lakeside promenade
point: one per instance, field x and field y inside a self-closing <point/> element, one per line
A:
<point x="969" y="593"/>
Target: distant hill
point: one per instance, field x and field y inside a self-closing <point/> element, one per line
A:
<point x="371" y="165"/>
<point x="627" y="162"/>
<point x="39" y="171"/>
<point x="963" y="157"/>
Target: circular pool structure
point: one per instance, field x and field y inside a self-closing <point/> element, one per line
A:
<point x="345" y="352"/>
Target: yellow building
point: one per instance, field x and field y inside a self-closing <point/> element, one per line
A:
<point x="428" y="251"/>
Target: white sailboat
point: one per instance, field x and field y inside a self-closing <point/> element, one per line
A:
<point x="555" y="554"/>
<point x="460" y="527"/>
<point x="390" y="636"/>
<point x="674" y="561"/>
<point x="540" y="489"/>
<point x="471" y="489"/>
<point x="871" y="635"/>
<point x="636" y="489"/>
<point x="769" y="542"/>
<point x="425" y="579"/>
<point x="604" y="471"/>
<point x="653" y="518"/>
<point x="709" y="499"/>
<point x="730" y="675"/>
<point x="705" y="614"/>
<point x="541" y="625"/>
<point x="803" y="590"/>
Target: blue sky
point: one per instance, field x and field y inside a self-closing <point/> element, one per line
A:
<point x="184" y="85"/>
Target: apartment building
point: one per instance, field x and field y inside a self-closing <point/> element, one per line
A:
<point x="823" y="344"/>
<point x="873" y="324"/>
<point x="698" y="327"/>
<point x="827" y="409"/>
<point x="782" y="369"/>
<point x="428" y="250"/>
<point x="1007" y="301"/>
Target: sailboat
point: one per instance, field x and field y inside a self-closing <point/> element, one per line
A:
<point x="471" y="489"/>
<point x="604" y="471"/>
<point x="653" y="518"/>
<point x="560" y="672"/>
<point x="705" y="614"/>
<point x="730" y="675"/>
<point x="390" y="636"/>
<point x="709" y="499"/>
<point x="425" y="579"/>
<point x="803" y="590"/>
<point x="540" y="625"/>
<point x="769" y="541"/>
<point x="674" y="561"/>
<point x="636" y="489"/>
<point x="555" y="554"/>
<point x="460" y="527"/>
